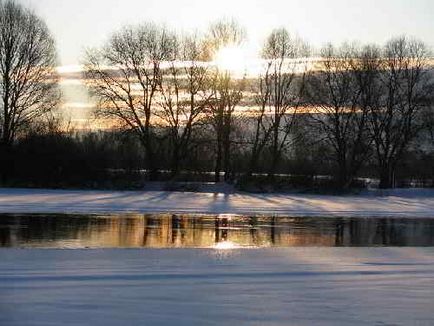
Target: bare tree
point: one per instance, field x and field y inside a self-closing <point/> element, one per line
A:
<point x="280" y="95"/>
<point x="185" y="95"/>
<point x="227" y="93"/>
<point x="221" y="34"/>
<point x="338" y="109"/>
<point x="125" y="75"/>
<point x="28" y="82"/>
<point x="396" y="119"/>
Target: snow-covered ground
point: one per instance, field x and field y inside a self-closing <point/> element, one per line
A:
<point x="294" y="286"/>
<point x="221" y="286"/>
<point x="411" y="203"/>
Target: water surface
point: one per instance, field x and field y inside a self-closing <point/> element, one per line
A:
<point x="209" y="231"/>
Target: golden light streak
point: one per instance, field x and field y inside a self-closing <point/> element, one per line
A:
<point x="69" y="69"/>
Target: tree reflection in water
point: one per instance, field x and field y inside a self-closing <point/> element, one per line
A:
<point x="208" y="231"/>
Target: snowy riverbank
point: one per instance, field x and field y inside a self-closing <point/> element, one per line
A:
<point x="399" y="203"/>
<point x="293" y="286"/>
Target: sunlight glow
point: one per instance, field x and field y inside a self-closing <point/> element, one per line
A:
<point x="78" y="105"/>
<point x="226" y="216"/>
<point x="231" y="58"/>
<point x="69" y="69"/>
<point x="225" y="245"/>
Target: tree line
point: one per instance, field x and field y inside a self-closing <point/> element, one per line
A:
<point x="344" y="111"/>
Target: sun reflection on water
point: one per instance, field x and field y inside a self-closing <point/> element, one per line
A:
<point x="222" y="234"/>
<point x="225" y="245"/>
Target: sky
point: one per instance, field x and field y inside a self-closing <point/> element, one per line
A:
<point x="80" y="24"/>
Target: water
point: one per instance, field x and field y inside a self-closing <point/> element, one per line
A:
<point x="209" y="231"/>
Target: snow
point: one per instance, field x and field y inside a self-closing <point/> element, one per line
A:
<point x="393" y="203"/>
<point x="224" y="285"/>
<point x="292" y="286"/>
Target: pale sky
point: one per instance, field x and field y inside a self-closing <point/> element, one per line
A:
<point x="77" y="24"/>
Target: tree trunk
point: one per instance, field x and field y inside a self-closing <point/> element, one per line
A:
<point x="227" y="128"/>
<point x="227" y="158"/>
<point x="275" y="150"/>
<point x="256" y="149"/>
<point x="220" y="140"/>
<point x="150" y="159"/>
<point x="253" y="163"/>
<point x="274" y="163"/>
<point x="387" y="177"/>
<point x="175" y="163"/>
<point x="342" y="175"/>
<point x="174" y="166"/>
<point x="218" y="162"/>
<point x="6" y="164"/>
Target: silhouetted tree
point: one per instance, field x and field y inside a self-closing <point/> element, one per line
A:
<point x="227" y="92"/>
<point x="334" y="95"/>
<point x="28" y="82"/>
<point x="280" y="95"/>
<point x="396" y="119"/>
<point x="185" y="95"/>
<point x="221" y="34"/>
<point x="125" y="76"/>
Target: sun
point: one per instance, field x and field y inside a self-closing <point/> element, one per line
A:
<point x="231" y="58"/>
